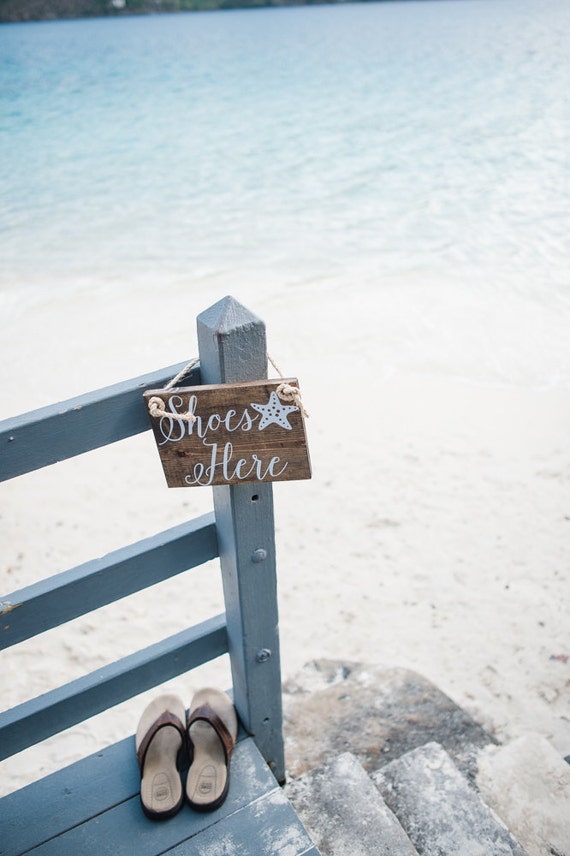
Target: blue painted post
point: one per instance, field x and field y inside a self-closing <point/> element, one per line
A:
<point x="232" y="348"/>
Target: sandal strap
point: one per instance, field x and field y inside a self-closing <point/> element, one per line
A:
<point x="166" y="718"/>
<point x="205" y="713"/>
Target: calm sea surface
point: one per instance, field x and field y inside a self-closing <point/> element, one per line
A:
<point x="416" y="149"/>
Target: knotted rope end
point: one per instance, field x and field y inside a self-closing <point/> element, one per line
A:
<point x="288" y="392"/>
<point x="157" y="409"/>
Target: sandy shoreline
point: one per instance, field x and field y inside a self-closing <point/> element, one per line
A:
<point x="434" y="534"/>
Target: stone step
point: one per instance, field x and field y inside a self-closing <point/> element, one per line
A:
<point x="440" y="812"/>
<point x="527" y="783"/>
<point x="344" y="813"/>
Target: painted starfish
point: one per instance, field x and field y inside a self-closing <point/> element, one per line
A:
<point x="274" y="412"/>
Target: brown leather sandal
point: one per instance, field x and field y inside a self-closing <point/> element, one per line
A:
<point x="212" y="731"/>
<point x="161" y="748"/>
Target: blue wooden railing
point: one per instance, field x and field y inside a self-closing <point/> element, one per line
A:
<point x="240" y="531"/>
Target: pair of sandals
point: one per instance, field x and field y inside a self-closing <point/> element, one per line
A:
<point x="167" y="739"/>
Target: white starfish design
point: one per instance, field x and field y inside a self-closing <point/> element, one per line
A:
<point x="274" y="412"/>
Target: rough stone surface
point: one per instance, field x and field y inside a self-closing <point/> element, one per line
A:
<point x="345" y="814"/>
<point x="441" y="813"/>
<point x="376" y="713"/>
<point x="529" y="774"/>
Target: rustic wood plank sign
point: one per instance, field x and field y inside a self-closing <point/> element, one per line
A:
<point x="229" y="433"/>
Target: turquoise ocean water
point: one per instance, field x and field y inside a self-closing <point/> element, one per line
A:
<point x="415" y="152"/>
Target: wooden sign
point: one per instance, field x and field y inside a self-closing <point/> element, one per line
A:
<point x="229" y="434"/>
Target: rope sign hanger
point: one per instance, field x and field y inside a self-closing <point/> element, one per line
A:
<point x="285" y="391"/>
<point x="156" y="405"/>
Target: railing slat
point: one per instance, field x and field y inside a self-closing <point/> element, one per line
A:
<point x="60" y="431"/>
<point x="65" y="596"/>
<point x="48" y="714"/>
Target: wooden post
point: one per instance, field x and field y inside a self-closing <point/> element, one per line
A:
<point x="232" y="347"/>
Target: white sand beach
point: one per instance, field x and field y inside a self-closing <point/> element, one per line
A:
<point x="434" y="533"/>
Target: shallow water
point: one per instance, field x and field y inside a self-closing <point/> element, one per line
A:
<point x="412" y="155"/>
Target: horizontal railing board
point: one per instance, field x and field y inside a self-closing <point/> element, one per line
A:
<point x="61" y="431"/>
<point x="72" y="593"/>
<point x="41" y="717"/>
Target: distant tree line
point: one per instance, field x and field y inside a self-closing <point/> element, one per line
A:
<point x="45" y="10"/>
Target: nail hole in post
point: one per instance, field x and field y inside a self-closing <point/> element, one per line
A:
<point x="255" y="497"/>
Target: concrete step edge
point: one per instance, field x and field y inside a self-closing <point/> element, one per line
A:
<point x="439" y="810"/>
<point x="344" y="812"/>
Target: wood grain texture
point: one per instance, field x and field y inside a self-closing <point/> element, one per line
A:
<point x="243" y="433"/>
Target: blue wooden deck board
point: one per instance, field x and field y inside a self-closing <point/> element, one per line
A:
<point x="67" y="595"/>
<point x="60" y="431"/>
<point x="93" y="808"/>
<point x="269" y="826"/>
<point x="57" y="802"/>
